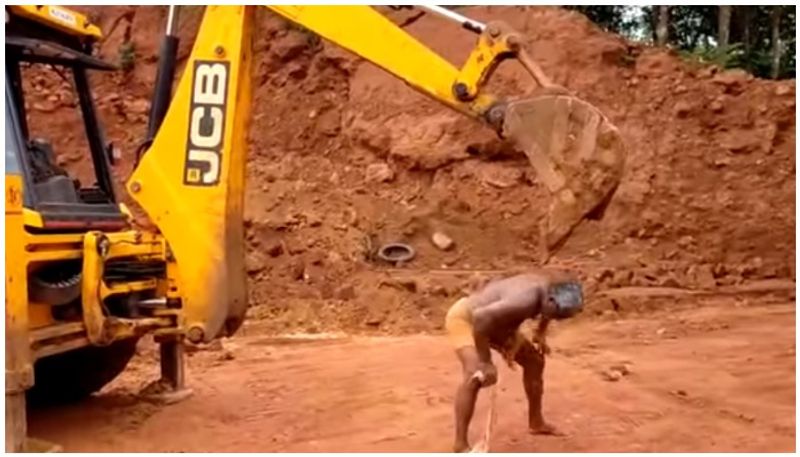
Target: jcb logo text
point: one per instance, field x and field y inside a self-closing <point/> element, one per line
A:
<point x="206" y="123"/>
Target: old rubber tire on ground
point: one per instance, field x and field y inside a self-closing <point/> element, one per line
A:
<point x="74" y="375"/>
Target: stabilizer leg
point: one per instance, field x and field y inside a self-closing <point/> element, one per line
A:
<point x="171" y="388"/>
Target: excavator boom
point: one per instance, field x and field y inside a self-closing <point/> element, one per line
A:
<point x="370" y="35"/>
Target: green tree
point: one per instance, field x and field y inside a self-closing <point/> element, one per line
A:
<point x="760" y="39"/>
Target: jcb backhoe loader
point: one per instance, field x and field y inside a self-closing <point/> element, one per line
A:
<point x="83" y="284"/>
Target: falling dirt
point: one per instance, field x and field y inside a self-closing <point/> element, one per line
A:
<point x="343" y="158"/>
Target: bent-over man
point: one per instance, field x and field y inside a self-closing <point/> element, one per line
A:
<point x="490" y="319"/>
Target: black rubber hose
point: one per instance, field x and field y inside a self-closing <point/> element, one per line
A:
<point x="165" y="75"/>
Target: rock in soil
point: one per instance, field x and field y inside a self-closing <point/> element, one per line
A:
<point x="442" y="241"/>
<point x="379" y="172"/>
<point x="345" y="293"/>
<point x="611" y="375"/>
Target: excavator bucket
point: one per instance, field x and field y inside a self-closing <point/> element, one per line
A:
<point x="577" y="153"/>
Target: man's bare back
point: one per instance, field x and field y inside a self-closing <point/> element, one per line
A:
<point x="528" y="291"/>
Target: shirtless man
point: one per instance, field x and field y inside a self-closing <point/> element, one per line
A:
<point x="490" y="318"/>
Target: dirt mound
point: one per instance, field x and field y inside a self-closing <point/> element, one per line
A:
<point x="343" y="157"/>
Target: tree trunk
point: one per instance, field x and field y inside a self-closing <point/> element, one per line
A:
<point x="662" y="25"/>
<point x="724" y="26"/>
<point x="744" y="15"/>
<point x="775" y="16"/>
<point x="747" y="16"/>
<point x="652" y="18"/>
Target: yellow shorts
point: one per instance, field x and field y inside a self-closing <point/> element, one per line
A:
<point x="458" y="324"/>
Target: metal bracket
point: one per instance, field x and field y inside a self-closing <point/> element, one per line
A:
<point x="495" y="44"/>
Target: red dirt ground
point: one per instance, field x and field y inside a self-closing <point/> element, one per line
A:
<point x="341" y="152"/>
<point x="711" y="375"/>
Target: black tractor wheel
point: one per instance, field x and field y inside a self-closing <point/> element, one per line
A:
<point x="74" y="375"/>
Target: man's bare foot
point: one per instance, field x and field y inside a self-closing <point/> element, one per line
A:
<point x="461" y="447"/>
<point x="544" y="429"/>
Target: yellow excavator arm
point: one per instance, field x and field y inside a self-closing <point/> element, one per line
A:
<point x="191" y="178"/>
<point x="369" y="34"/>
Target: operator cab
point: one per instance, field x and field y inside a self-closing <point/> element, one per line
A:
<point x="57" y="199"/>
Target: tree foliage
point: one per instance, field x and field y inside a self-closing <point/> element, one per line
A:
<point x="694" y="30"/>
<point x="610" y="17"/>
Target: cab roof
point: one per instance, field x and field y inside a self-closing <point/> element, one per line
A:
<point x="59" y="18"/>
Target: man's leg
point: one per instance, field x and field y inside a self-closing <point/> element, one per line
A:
<point x="532" y="363"/>
<point x="466" y="396"/>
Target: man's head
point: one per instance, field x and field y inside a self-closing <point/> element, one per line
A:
<point x="565" y="300"/>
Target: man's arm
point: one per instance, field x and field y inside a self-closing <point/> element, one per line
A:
<point x="540" y="338"/>
<point x="484" y="321"/>
<point x="543" y="323"/>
